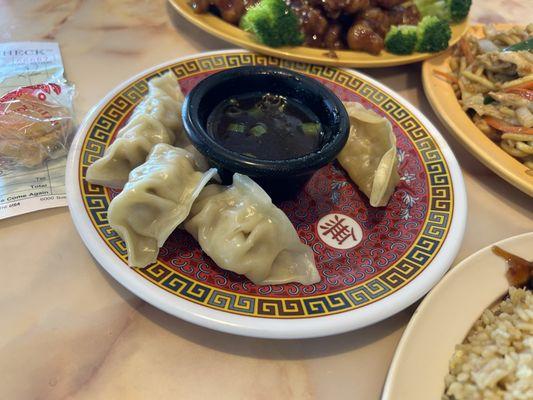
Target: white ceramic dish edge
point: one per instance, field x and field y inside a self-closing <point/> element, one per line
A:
<point x="262" y="327"/>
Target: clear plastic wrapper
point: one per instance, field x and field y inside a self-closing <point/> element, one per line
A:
<point x="36" y="124"/>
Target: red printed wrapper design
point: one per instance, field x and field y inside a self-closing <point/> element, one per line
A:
<point x="35" y="124"/>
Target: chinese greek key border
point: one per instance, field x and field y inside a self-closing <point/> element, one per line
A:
<point x="422" y="252"/>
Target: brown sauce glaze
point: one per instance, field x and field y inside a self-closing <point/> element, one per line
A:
<point x="520" y="271"/>
<point x="330" y="24"/>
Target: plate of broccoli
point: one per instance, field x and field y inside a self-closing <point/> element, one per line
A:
<point x="387" y="33"/>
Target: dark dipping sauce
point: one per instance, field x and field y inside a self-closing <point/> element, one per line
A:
<point x="265" y="126"/>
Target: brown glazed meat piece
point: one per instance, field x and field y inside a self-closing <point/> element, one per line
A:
<point x="400" y="15"/>
<point x="520" y="272"/>
<point x="313" y="23"/>
<point x="333" y="37"/>
<point x="362" y="37"/>
<point x="230" y="10"/>
<point x="377" y="19"/>
<point x="334" y="8"/>
<point x="388" y="3"/>
<point x="352" y="6"/>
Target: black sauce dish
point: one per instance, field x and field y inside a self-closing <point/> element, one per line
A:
<point x="280" y="178"/>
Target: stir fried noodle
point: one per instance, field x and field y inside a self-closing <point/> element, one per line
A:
<point x="492" y="78"/>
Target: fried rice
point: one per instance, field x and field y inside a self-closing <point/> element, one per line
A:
<point x="496" y="359"/>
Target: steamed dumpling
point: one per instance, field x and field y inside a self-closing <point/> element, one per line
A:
<point x="163" y="102"/>
<point x="369" y="156"/>
<point x="128" y="151"/>
<point x="155" y="200"/>
<point x="157" y="119"/>
<point x="242" y="231"/>
<point x="168" y="83"/>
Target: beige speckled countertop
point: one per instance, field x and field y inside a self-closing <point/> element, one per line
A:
<point x="69" y="331"/>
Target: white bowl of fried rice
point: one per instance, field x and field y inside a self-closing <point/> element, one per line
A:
<point x="471" y="337"/>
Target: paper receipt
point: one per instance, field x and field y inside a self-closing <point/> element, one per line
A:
<point x="25" y="190"/>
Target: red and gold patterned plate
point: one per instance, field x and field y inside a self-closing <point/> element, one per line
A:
<point x="373" y="262"/>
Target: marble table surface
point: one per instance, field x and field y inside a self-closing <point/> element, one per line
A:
<point x="69" y="331"/>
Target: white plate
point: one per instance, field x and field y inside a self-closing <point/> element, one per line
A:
<point x="444" y="319"/>
<point x="375" y="287"/>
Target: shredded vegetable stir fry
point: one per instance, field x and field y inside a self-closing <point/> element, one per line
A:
<point x="493" y="79"/>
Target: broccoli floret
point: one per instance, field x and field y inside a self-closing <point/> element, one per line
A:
<point x="433" y="34"/>
<point x="437" y="8"/>
<point x="459" y="9"/>
<point x="450" y="10"/>
<point x="401" y="39"/>
<point x="273" y="24"/>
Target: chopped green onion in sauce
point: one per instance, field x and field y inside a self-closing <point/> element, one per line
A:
<point x="258" y="129"/>
<point x="235" y="127"/>
<point x="311" y="128"/>
<point x="265" y="126"/>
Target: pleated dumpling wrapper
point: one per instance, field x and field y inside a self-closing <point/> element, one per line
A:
<point x="157" y="119"/>
<point x="156" y="199"/>
<point x="369" y="156"/>
<point x="242" y="231"/>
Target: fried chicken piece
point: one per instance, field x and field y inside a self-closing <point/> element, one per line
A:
<point x="400" y="15"/>
<point x="387" y="3"/>
<point x="313" y="22"/>
<point x="334" y="8"/>
<point x="333" y="37"/>
<point x="362" y="37"/>
<point x="230" y="10"/>
<point x="377" y="19"/>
